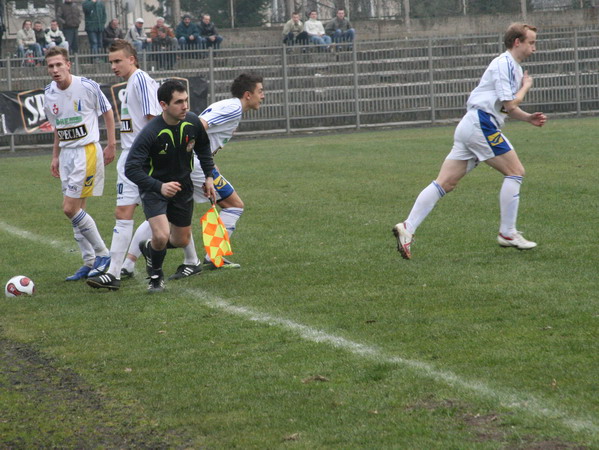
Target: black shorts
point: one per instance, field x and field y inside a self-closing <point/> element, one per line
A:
<point x="178" y="209"/>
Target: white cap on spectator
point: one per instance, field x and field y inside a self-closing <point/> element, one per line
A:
<point x="139" y="19"/>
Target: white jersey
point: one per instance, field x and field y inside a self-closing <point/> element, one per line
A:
<point x="141" y="99"/>
<point x="500" y="82"/>
<point x="223" y="119"/>
<point x="74" y="112"/>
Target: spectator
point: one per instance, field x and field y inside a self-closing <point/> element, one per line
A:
<point x="316" y="32"/>
<point x="165" y="46"/>
<point x="188" y="33"/>
<point x="26" y="41"/>
<point x="170" y="34"/>
<point x="2" y="27"/>
<point x="40" y="36"/>
<point x="208" y="33"/>
<point x="56" y="36"/>
<point x="340" y="29"/>
<point x="95" y="20"/>
<point x="293" y="31"/>
<point x="69" y="19"/>
<point x="137" y="36"/>
<point x="112" y="33"/>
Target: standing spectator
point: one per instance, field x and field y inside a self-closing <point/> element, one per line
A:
<point x="95" y="20"/>
<point x="40" y="36"/>
<point x="340" y="29"/>
<point x="478" y="137"/>
<point x="316" y="31"/>
<point x="112" y="33"/>
<point x="188" y="33"/>
<point x="69" y="19"/>
<point x="165" y="46"/>
<point x="2" y="27"/>
<point x="170" y="34"/>
<point x="293" y="31"/>
<point x="208" y="33"/>
<point x="137" y="36"/>
<point x="26" y="41"/>
<point x="56" y="36"/>
<point x="72" y="105"/>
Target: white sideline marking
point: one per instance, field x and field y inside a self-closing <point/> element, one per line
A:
<point x="510" y="399"/>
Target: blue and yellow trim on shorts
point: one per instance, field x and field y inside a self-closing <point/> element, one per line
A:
<point x="91" y="161"/>
<point x="492" y="134"/>
<point x="221" y="185"/>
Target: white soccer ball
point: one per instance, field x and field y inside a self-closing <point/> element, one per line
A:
<point x="19" y="285"/>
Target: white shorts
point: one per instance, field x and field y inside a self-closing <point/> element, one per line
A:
<point x="82" y="171"/>
<point x="477" y="138"/>
<point x="127" y="192"/>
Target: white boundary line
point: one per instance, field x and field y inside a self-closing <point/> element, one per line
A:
<point x="510" y="399"/>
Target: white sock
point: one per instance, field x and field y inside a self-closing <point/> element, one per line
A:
<point x="230" y="216"/>
<point x="87" y="251"/>
<point x="142" y="234"/>
<point x="87" y="227"/>
<point x="423" y="205"/>
<point x="191" y="256"/>
<point x="121" y="236"/>
<point x="509" y="200"/>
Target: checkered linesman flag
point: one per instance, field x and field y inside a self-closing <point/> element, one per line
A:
<point x="215" y="236"/>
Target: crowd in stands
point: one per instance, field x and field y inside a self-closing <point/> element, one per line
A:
<point x="34" y="38"/>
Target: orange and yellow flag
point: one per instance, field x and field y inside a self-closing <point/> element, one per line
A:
<point x="215" y="237"/>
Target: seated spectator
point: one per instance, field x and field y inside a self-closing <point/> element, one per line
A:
<point x="40" y="36"/>
<point x="208" y="33"/>
<point x="112" y="33"/>
<point x="137" y="36"/>
<point x="26" y="41"/>
<point x="170" y="34"/>
<point x="56" y="36"/>
<point x="188" y="33"/>
<point x="340" y="29"/>
<point x="165" y="46"/>
<point x="293" y="31"/>
<point x="316" y="32"/>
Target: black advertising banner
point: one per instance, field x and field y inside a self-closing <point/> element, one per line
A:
<point x="23" y="112"/>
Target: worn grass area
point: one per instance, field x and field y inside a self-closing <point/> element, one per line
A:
<point x="325" y="338"/>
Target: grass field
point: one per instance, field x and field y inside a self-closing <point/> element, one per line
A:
<point x="325" y="338"/>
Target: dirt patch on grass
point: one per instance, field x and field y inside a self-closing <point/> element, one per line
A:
<point x="60" y="402"/>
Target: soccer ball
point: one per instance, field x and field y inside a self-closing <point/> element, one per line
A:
<point x="19" y="285"/>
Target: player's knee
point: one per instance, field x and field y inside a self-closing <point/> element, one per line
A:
<point x="70" y="210"/>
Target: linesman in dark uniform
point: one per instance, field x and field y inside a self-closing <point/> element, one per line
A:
<point x="160" y="162"/>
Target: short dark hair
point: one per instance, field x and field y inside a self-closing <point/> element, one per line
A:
<point x="166" y="89"/>
<point x="516" y="31"/>
<point x="121" y="44"/>
<point x="246" y="82"/>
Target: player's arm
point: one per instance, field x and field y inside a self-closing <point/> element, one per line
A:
<point x="110" y="149"/>
<point x="511" y="105"/>
<point x="54" y="165"/>
<point x="134" y="166"/>
<point x="204" y="154"/>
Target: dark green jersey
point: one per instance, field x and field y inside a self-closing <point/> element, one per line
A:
<point x="163" y="153"/>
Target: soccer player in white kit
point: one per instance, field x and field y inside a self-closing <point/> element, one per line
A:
<point x="72" y="105"/>
<point x="478" y="137"/>
<point x="139" y="105"/>
<point x="220" y="120"/>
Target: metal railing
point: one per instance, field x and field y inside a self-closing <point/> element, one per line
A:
<point x="372" y="83"/>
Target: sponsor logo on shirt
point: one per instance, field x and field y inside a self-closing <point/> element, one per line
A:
<point x="72" y="134"/>
<point x="69" y="121"/>
<point x="126" y="126"/>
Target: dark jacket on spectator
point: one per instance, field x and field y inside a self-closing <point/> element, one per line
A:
<point x="110" y="34"/>
<point x="95" y="15"/>
<point x="186" y="31"/>
<point x="207" y="30"/>
<point x="68" y="15"/>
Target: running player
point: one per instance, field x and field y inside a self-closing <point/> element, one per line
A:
<point x="478" y="137"/>
<point x="160" y="162"/>
<point x="220" y="120"/>
<point x="138" y="107"/>
<point x="72" y="105"/>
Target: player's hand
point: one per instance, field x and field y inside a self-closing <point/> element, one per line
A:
<point x="527" y="80"/>
<point x="109" y="153"/>
<point x="170" y="189"/>
<point x="209" y="190"/>
<point x="54" y="168"/>
<point x="538" y="119"/>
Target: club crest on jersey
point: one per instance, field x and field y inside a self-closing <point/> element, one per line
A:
<point x="495" y="139"/>
<point x="126" y="126"/>
<point x="55" y="109"/>
<point x="77" y="106"/>
<point x="190" y="145"/>
<point x="73" y="133"/>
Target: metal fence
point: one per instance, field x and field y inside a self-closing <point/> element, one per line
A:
<point x="399" y="82"/>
